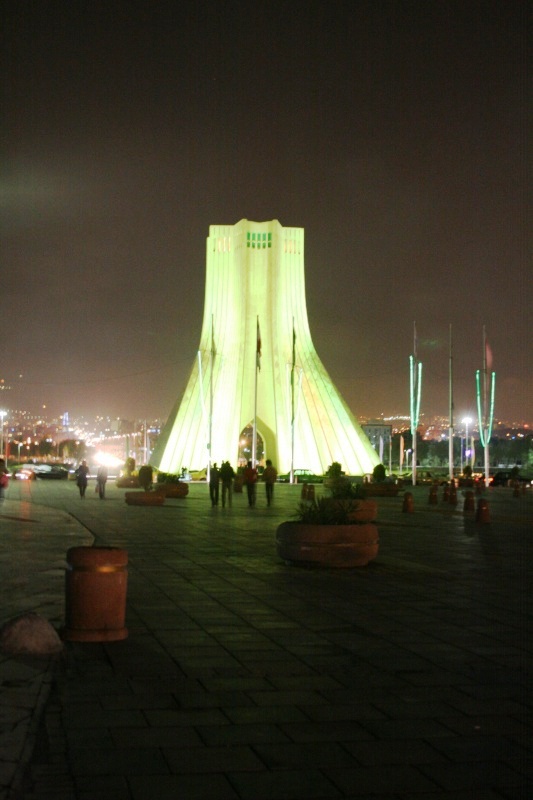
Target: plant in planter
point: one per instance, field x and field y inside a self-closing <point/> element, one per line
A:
<point x="128" y="478"/>
<point x="380" y="485"/>
<point x="171" y="485"/>
<point x="146" y="497"/>
<point x="330" y="532"/>
<point x="146" y="475"/>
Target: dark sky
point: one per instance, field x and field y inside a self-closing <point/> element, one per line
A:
<point x="395" y="133"/>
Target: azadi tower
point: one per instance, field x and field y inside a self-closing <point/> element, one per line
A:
<point x="257" y="365"/>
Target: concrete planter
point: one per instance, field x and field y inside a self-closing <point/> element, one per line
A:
<point x="381" y="489"/>
<point x="173" y="489"/>
<point x="144" y="498"/>
<point x="128" y="482"/>
<point x="327" y="545"/>
<point x="358" y="511"/>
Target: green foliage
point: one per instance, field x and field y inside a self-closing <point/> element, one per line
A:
<point x="378" y="473"/>
<point x="167" y="477"/>
<point x="343" y="489"/>
<point x="324" y="511"/>
<point x="334" y="470"/>
<point x="129" y="466"/>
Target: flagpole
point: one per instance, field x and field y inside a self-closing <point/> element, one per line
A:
<point x="485" y="426"/>
<point x="211" y="396"/>
<point x="416" y="389"/>
<point x="486" y="413"/>
<point x="257" y="367"/>
<point x="292" y="398"/>
<point x="450" y="429"/>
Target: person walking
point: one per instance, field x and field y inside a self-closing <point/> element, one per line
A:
<point x="214" y="479"/>
<point x="270" y="475"/>
<point x="4" y="478"/>
<point x="227" y="473"/>
<point x="82" y="477"/>
<point x="101" y="480"/>
<point x="250" y="480"/>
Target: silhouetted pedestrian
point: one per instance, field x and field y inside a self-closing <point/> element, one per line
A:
<point x="4" y="478"/>
<point x="250" y="481"/>
<point x="270" y="475"/>
<point x="214" y="478"/>
<point x="101" y="480"/>
<point x="82" y="477"/>
<point x="227" y="473"/>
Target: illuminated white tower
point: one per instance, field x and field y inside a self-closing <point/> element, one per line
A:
<point x="255" y="289"/>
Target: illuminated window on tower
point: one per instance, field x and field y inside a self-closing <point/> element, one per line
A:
<point x="258" y="240"/>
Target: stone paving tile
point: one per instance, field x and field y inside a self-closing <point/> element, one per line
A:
<point x="154" y="736"/>
<point x="489" y="725"/>
<point x="481" y="748"/>
<point x="204" y="760"/>
<point x="305" y="784"/>
<point x="188" y="787"/>
<point x="305" y="756"/>
<point x="265" y="714"/>
<point x="473" y="775"/>
<point x="396" y="751"/>
<point x="342" y="712"/>
<point x="117" y="761"/>
<point x="382" y="778"/>
<point x="337" y="731"/>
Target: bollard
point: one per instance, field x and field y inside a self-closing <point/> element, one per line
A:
<point x="95" y="602"/>
<point x="516" y="490"/>
<point x="433" y="496"/>
<point x="310" y="491"/>
<point x="469" y="503"/>
<point x="408" y="504"/>
<point x="446" y="493"/>
<point x="482" y="513"/>
<point x="453" y="495"/>
<point x="304" y="491"/>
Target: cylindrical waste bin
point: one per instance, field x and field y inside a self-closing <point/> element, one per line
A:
<point x="96" y="581"/>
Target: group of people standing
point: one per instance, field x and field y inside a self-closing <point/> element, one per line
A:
<point x="225" y="475"/>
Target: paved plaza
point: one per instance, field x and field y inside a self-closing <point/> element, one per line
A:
<point x="244" y="678"/>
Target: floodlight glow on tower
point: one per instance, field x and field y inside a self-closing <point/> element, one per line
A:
<point x="257" y="365"/>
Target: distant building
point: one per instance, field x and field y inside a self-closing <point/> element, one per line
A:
<point x="379" y="435"/>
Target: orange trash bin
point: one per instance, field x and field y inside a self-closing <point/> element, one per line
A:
<point x="96" y="582"/>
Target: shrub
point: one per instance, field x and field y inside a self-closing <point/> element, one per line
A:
<point x="378" y="473"/>
<point x="145" y="477"/>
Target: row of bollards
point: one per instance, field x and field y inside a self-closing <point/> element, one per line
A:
<point x="450" y="496"/>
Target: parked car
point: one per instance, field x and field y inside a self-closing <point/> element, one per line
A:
<point x="24" y="472"/>
<point x="301" y="476"/>
<point x="198" y="474"/>
<point x="502" y="478"/>
<point x="50" y="471"/>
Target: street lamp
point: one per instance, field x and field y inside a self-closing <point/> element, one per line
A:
<point x="466" y="423"/>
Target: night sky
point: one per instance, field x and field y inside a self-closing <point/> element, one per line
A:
<point x="395" y="133"/>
